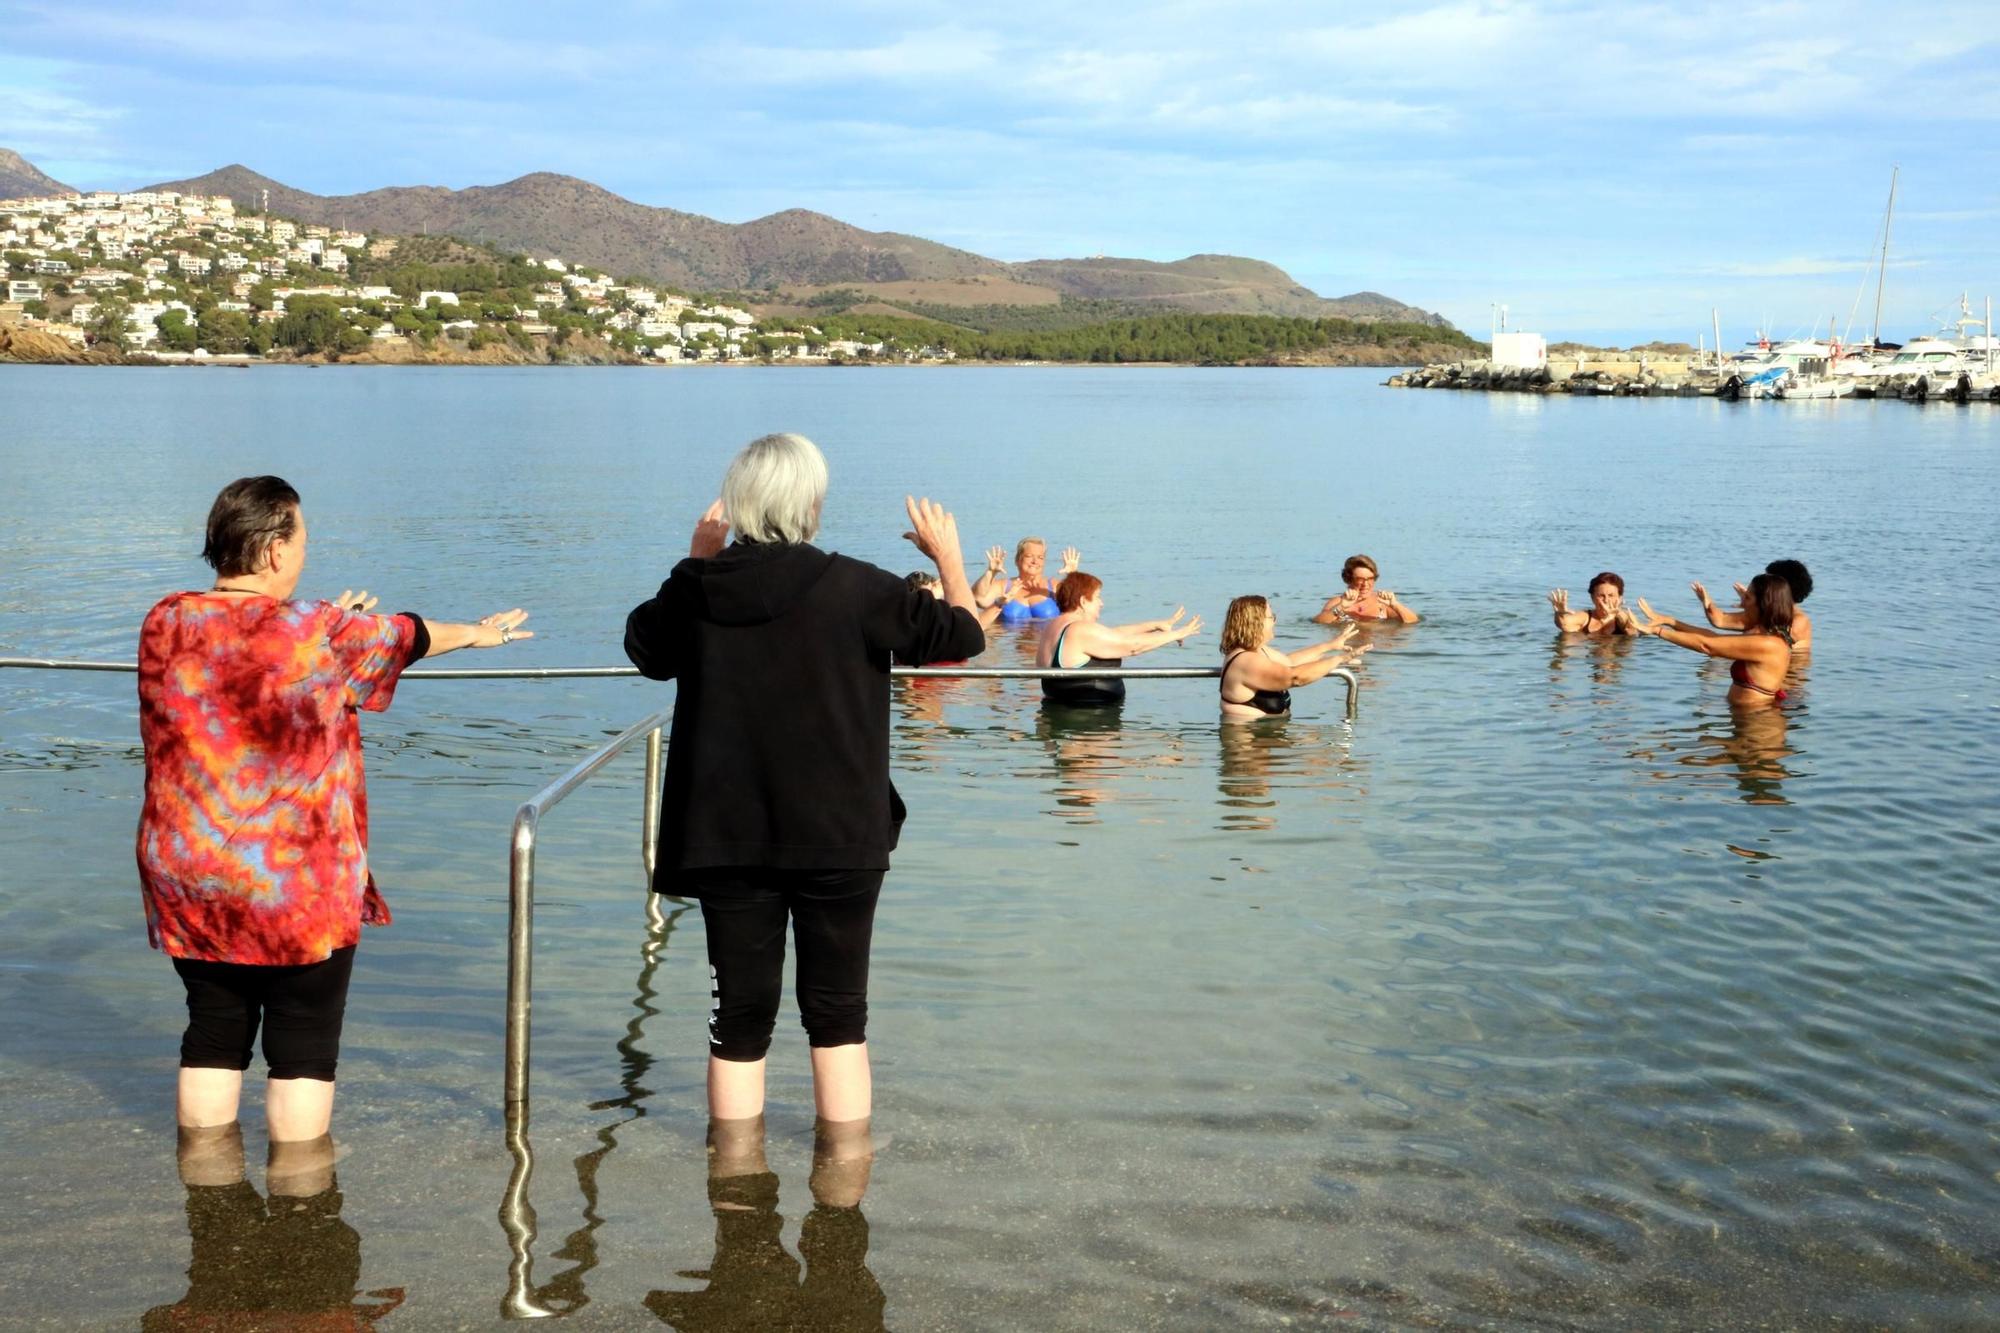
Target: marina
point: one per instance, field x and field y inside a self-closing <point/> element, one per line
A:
<point x="1543" y="989"/>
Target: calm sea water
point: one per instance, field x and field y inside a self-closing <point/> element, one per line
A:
<point x="1545" y="994"/>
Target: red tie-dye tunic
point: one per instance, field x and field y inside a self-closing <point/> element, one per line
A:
<point x="253" y="844"/>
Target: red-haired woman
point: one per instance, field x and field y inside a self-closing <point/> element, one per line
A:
<point x="1363" y="600"/>
<point x="1759" y="657"/>
<point x="1257" y="679"/>
<point x="1075" y="639"/>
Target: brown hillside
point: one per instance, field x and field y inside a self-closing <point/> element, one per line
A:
<point x="22" y="179"/>
<point x="547" y="214"/>
<point x="1210" y="284"/>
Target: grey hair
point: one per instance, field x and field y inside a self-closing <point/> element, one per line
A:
<point x="773" y="490"/>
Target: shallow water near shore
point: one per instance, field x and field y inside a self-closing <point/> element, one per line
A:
<point x="1546" y="993"/>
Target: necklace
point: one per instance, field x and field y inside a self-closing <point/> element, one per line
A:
<point x="219" y="588"/>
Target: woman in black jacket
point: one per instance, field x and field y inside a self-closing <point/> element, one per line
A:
<point x="777" y="803"/>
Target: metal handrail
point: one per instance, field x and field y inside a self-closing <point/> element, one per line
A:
<point x="527" y="820"/>
<point x="902" y="673"/>
<point x="521" y="878"/>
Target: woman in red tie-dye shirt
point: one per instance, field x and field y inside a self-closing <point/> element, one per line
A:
<point x="253" y="843"/>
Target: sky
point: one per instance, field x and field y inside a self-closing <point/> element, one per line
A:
<point x="1607" y="172"/>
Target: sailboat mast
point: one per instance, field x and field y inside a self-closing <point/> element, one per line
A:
<point x="1882" y="273"/>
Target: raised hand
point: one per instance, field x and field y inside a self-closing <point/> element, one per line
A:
<point x="1385" y="597"/>
<point x="1070" y="560"/>
<point x="1701" y="594"/>
<point x="934" y="531"/>
<point x="1188" y="631"/>
<point x="1346" y="634"/>
<point x="711" y="531"/>
<point x="1655" y="622"/>
<point x="1623" y="619"/>
<point x="503" y="627"/>
<point x="350" y="600"/>
<point x="1742" y="589"/>
<point x="996" y="560"/>
<point x="1165" y="625"/>
<point x="1559" y="599"/>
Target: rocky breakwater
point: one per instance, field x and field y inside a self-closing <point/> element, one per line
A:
<point x="34" y="347"/>
<point x="1617" y="376"/>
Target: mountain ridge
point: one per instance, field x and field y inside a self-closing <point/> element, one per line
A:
<point x="547" y="213"/>
<point x="22" y="179"/>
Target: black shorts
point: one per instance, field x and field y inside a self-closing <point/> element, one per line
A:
<point x="300" y="1009"/>
<point x="745" y="910"/>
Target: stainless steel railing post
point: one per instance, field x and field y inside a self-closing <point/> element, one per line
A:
<point x="520" y="949"/>
<point x="1353" y="690"/>
<point x="649" y="821"/>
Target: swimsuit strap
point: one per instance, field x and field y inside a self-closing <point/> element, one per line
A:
<point x="1055" y="658"/>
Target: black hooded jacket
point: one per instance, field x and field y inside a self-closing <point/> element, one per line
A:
<point x="779" y="755"/>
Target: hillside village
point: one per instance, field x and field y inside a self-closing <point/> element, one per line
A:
<point x="164" y="276"/>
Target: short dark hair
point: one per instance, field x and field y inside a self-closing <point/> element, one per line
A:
<point x="1354" y="562"/>
<point x="1608" y="577"/>
<point x="1793" y="573"/>
<point x="249" y="514"/>
<point x="920" y="578"/>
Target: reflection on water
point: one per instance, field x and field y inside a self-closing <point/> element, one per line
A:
<point x="1604" y="654"/>
<point x="1750" y="744"/>
<point x="565" y="1292"/>
<point x="1085" y="749"/>
<point x="753" y="1282"/>
<point x="1261" y="759"/>
<point x="261" y="1262"/>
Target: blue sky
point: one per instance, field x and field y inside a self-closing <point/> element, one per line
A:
<point x="1607" y="171"/>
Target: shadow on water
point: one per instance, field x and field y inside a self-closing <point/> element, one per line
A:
<point x="565" y="1292"/>
<point x="284" y="1259"/>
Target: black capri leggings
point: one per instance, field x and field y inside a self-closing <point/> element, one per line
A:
<point x="301" y="1009"/>
<point x="833" y="920"/>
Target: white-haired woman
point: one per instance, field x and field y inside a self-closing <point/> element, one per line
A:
<point x="777" y="804"/>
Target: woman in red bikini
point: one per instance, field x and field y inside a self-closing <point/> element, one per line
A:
<point x="1759" y="657"/>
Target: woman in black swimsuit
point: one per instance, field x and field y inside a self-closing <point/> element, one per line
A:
<point x="1075" y="639"/>
<point x="1608" y="613"/>
<point x="1257" y="679"/>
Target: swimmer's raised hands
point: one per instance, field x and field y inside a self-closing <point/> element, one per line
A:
<point x="1559" y="599"/>
<point x="1654" y="622"/>
<point x="996" y="560"/>
<point x="711" y="532"/>
<point x="1070" y="560"/>
<point x="349" y="600"/>
<point x="1185" y="632"/>
<point x="1701" y="595"/>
